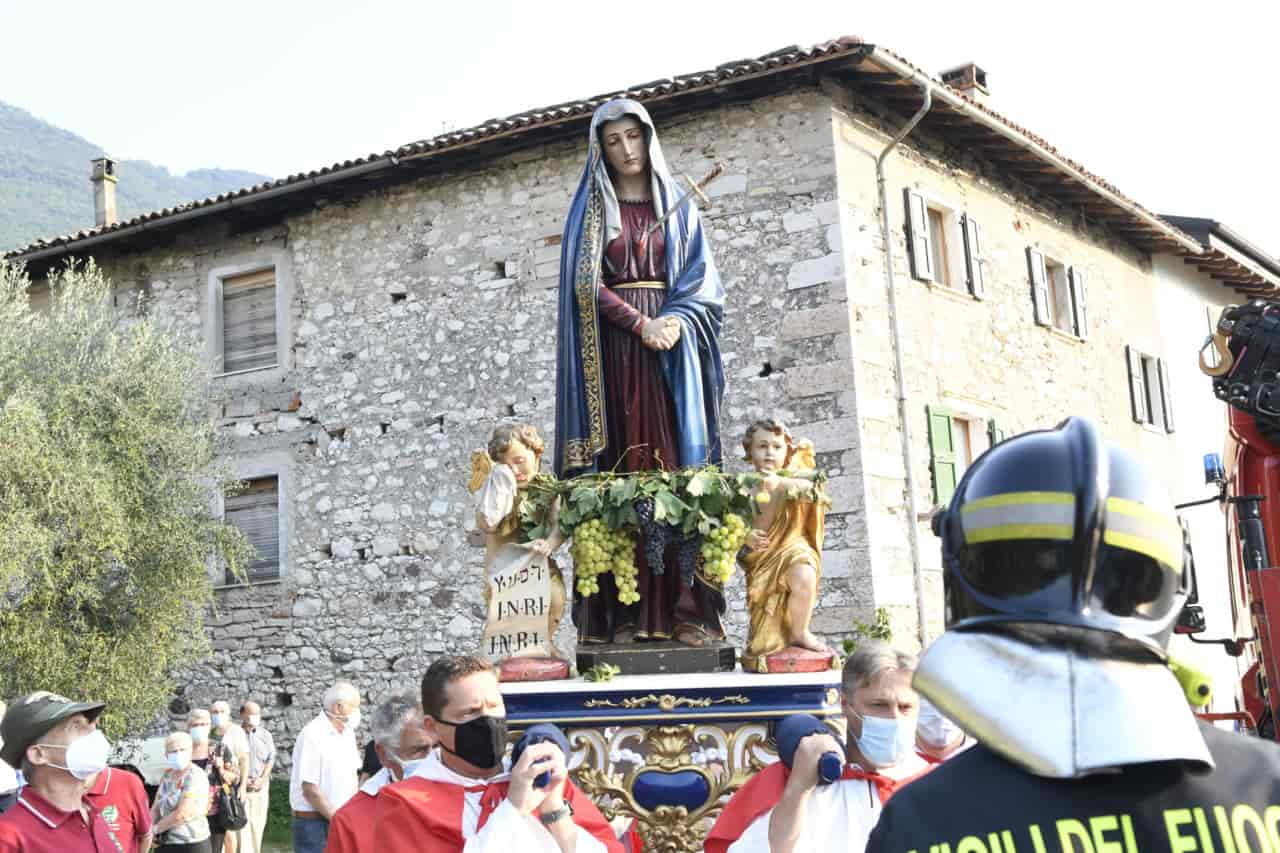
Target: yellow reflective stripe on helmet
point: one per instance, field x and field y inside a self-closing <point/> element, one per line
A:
<point x="1019" y="498"/>
<point x="1019" y="515"/>
<point x="1137" y="527"/>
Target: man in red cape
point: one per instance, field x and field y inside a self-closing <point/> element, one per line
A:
<point x="401" y="742"/>
<point x="461" y="799"/>
<point x="781" y="809"/>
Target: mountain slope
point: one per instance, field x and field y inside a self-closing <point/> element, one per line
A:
<point x="45" y="189"/>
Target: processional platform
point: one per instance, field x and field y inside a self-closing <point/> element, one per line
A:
<point x="668" y="750"/>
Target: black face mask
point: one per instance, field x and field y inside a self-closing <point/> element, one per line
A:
<point x="480" y="742"/>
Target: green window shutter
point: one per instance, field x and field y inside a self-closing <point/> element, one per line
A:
<point x="1039" y="286"/>
<point x="942" y="453"/>
<point x="919" y="241"/>
<point x="1079" y="318"/>
<point x="995" y="433"/>
<point x="1166" y="401"/>
<point x="1137" y="385"/>
<point x="973" y="257"/>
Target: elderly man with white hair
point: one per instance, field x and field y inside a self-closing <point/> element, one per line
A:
<point x="401" y="741"/>
<point x="326" y="762"/>
<point x="793" y="809"/>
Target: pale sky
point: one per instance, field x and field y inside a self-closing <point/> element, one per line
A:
<point x="1172" y="102"/>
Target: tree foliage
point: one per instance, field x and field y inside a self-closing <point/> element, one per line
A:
<point x="108" y="481"/>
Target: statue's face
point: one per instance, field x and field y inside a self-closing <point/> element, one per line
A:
<point x="624" y="146"/>
<point x="522" y="461"/>
<point x="768" y="450"/>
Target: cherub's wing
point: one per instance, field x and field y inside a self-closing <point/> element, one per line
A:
<point x="481" y="465"/>
<point x="804" y="459"/>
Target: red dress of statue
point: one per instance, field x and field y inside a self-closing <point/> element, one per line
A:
<point x="642" y="437"/>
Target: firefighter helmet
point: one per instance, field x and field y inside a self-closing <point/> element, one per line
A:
<point x="1055" y="528"/>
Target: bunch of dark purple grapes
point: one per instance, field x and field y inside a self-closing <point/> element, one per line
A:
<point x="658" y="536"/>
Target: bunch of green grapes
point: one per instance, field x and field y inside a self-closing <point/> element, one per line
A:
<point x="596" y="549"/>
<point x="624" y="566"/>
<point x="720" y="547"/>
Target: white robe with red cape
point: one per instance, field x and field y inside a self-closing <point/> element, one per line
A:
<point x="837" y="817"/>
<point x="438" y="811"/>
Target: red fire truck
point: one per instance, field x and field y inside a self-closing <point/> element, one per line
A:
<point x="1246" y="375"/>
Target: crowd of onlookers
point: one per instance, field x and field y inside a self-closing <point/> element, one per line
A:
<point x="212" y="797"/>
<point x="467" y="793"/>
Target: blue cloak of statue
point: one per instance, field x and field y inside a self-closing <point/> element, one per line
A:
<point x="692" y="368"/>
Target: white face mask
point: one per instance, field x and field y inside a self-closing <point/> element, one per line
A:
<point x="935" y="730"/>
<point x="200" y="734"/>
<point x="253" y="720"/>
<point x="884" y="741"/>
<point x="178" y="760"/>
<point x="218" y="720"/>
<point x="85" y="756"/>
<point x="350" y="721"/>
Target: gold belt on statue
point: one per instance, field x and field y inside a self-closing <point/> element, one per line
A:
<point x="640" y="285"/>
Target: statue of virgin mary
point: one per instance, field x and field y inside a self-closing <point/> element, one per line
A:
<point x="639" y="377"/>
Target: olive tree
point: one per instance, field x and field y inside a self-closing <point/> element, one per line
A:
<point x="108" y="481"/>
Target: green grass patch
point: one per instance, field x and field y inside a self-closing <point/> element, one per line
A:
<point x="279" y="815"/>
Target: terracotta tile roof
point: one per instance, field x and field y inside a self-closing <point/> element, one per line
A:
<point x="850" y="53"/>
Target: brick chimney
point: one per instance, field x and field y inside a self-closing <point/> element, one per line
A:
<point x="968" y="79"/>
<point x="103" y="178"/>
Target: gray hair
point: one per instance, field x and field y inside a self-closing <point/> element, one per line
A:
<point x="871" y="658"/>
<point x="390" y="718"/>
<point x="341" y="691"/>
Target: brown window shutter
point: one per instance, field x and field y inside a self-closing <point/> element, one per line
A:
<point x="1039" y="285"/>
<point x="973" y="257"/>
<point x="249" y="321"/>
<point x="1079" y="318"/>
<point x="1137" y="385"/>
<point x="255" y="512"/>
<point x="919" y="244"/>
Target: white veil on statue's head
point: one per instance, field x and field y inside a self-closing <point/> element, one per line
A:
<point x="598" y="164"/>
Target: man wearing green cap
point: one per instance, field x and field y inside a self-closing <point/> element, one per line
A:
<point x="57" y="745"/>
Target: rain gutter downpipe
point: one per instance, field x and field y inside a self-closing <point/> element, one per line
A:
<point x="908" y="458"/>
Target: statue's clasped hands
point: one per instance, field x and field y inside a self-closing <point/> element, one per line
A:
<point x="660" y="333"/>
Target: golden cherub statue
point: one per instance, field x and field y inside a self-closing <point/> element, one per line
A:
<point x="784" y="558"/>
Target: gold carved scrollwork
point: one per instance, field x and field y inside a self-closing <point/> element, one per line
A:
<point x="670" y="749"/>
<point x="665" y="702"/>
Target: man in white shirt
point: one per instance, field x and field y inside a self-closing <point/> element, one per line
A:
<point x="938" y="738"/>
<point x="460" y="799"/>
<point x="262" y="757"/>
<point x="785" y="810"/>
<point x="326" y="762"/>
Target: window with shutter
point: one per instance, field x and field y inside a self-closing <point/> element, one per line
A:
<point x="918" y="240"/>
<point x="942" y="452"/>
<point x="995" y="433"/>
<point x="1166" y="401"/>
<point x="1039" y="287"/>
<point x="1137" y="385"/>
<point x="255" y="512"/>
<point x="973" y="258"/>
<point x="249" y="321"/>
<point x="1079" y="318"/>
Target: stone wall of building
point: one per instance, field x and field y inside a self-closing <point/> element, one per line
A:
<point x="422" y="315"/>
<point x="981" y="359"/>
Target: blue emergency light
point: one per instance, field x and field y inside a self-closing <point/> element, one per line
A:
<point x="1213" y="470"/>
